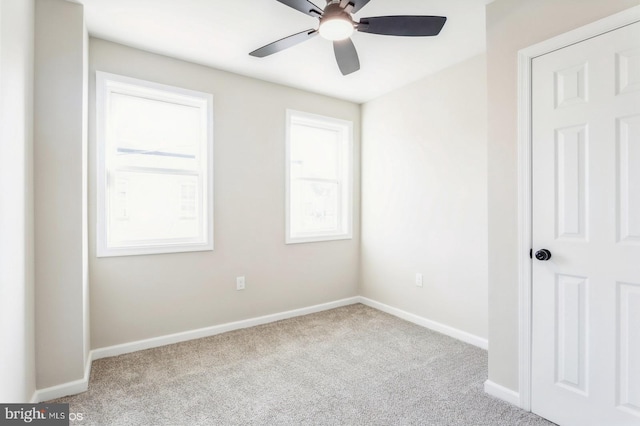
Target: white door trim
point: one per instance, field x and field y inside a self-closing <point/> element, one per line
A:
<point x="525" y="59"/>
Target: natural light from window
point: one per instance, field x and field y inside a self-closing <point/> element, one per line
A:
<point x="154" y="168"/>
<point x="319" y="178"/>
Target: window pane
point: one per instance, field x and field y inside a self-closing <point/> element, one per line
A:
<point x="154" y="133"/>
<point x="314" y="152"/>
<point x="319" y="176"/>
<point x="151" y="206"/>
<point x="155" y="188"/>
<point x="314" y="207"/>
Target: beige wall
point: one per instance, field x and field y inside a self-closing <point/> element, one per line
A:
<point x="513" y="25"/>
<point x="17" y="355"/>
<point x="60" y="193"/>
<point x="424" y="198"/>
<point x="140" y="297"/>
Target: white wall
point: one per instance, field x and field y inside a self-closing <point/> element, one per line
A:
<point x="140" y="297"/>
<point x="513" y="25"/>
<point x="17" y="363"/>
<point x="60" y="192"/>
<point x="424" y="198"/>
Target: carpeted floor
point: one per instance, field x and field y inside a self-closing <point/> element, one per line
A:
<point x="347" y="366"/>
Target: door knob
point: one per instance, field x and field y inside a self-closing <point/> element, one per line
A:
<point x="543" y="254"/>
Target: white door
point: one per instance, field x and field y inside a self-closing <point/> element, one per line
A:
<point x="586" y="212"/>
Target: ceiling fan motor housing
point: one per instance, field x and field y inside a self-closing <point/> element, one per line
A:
<point x="335" y="15"/>
<point x="335" y="10"/>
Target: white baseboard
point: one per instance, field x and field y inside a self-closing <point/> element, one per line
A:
<point x="65" y="389"/>
<point x="427" y="323"/>
<point x="216" y="329"/>
<point x="502" y="393"/>
<point x="81" y="385"/>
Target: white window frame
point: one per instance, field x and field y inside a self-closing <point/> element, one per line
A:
<point x="107" y="83"/>
<point x="345" y="183"/>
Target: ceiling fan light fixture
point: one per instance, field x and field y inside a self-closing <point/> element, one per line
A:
<point x="337" y="28"/>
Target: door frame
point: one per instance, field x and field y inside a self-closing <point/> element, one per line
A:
<point x="525" y="177"/>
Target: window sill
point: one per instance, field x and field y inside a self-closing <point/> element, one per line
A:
<point x="317" y="239"/>
<point x="148" y="250"/>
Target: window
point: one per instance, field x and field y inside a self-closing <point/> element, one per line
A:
<point x="319" y="178"/>
<point x="155" y="168"/>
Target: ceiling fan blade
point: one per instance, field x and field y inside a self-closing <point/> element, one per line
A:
<point x="303" y="6"/>
<point x="346" y="56"/>
<point x="284" y="43"/>
<point x="410" y="26"/>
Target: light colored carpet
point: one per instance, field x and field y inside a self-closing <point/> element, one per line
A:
<point x="347" y="366"/>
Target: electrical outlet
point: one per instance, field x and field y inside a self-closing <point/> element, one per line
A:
<point x="418" y="280"/>
<point x="240" y="283"/>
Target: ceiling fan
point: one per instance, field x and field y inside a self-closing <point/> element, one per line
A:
<point x="337" y="25"/>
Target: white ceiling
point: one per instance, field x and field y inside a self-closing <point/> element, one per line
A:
<point x="221" y="33"/>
